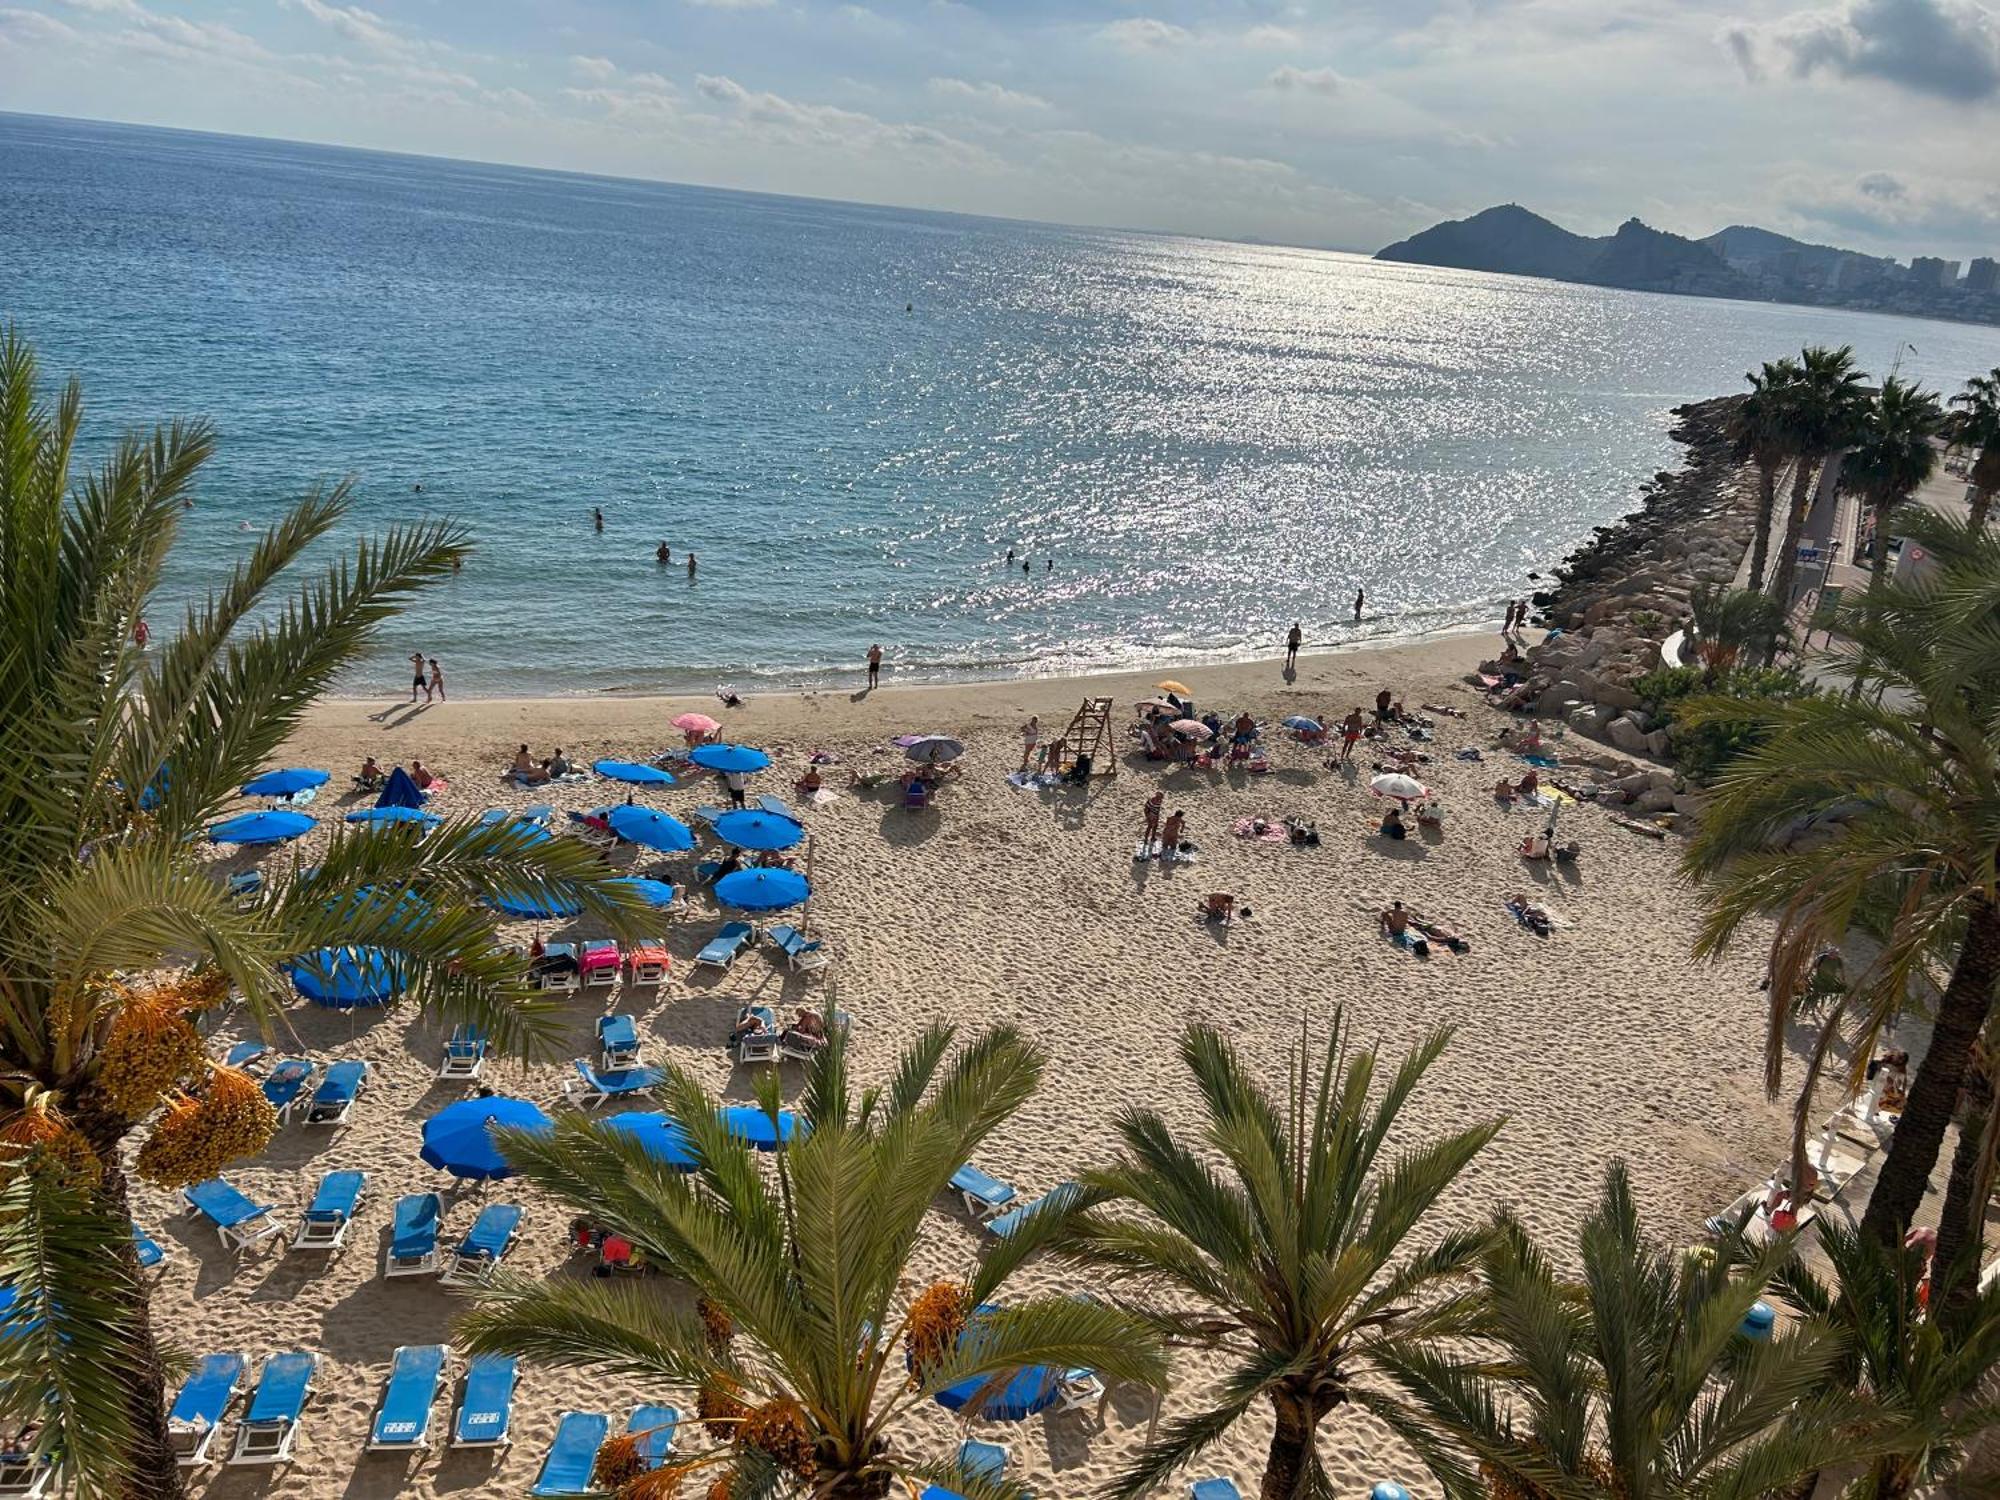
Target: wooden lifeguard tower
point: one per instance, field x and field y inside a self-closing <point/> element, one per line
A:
<point x="1089" y="734"/>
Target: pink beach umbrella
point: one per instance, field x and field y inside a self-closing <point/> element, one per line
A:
<point x="1193" y="728"/>
<point x="696" y="724"/>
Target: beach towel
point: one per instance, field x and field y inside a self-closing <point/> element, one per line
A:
<point x="1261" y="829"/>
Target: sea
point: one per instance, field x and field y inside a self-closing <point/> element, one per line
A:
<point x="851" y="415"/>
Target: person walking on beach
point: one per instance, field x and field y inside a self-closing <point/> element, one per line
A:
<point x="690" y="565"/>
<point x="1031" y="736"/>
<point x="437" y="680"/>
<point x="735" y="782"/>
<point x="1155" y="805"/>
<point x="1292" y="643"/>
<point x="417" y="682"/>
<point x="1360" y="598"/>
<point x="874" y="667"/>
<point x="597" y="518"/>
<point x="1351" y="729"/>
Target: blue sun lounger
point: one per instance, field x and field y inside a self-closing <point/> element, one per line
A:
<point x="983" y="1196"/>
<point x="286" y="1082"/>
<point x="595" y="1085"/>
<point x="244" y="889"/>
<point x="617" y="1041"/>
<point x="403" y="1422"/>
<point x="485" y="1244"/>
<point x="723" y="949"/>
<point x="238" y="1222"/>
<point x="977" y="1460"/>
<point x="1056" y="1197"/>
<point x="25" y="1473"/>
<point x="655" y="1425"/>
<point x="204" y="1398"/>
<point x="271" y="1426"/>
<point x="464" y="1052"/>
<point x="244" y="1052"/>
<point x="339" y="1087"/>
<point x="573" y="1454"/>
<point x="1214" y="1489"/>
<point x="486" y="1409"/>
<point x="331" y="1211"/>
<point x="146" y="1248"/>
<point x="413" y="1242"/>
<point x="776" y="807"/>
<point x="799" y="951"/>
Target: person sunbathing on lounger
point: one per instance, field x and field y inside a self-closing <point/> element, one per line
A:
<point x="748" y="1024"/>
<point x="807" y="1031"/>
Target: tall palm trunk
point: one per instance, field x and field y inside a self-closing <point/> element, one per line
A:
<point x="1878" y="566"/>
<point x="1961" y="1013"/>
<point x="1767" y="506"/>
<point x="1803" y="470"/>
<point x="1961" y="1224"/>
<point x="152" y="1472"/>
<point x="1290" y="1458"/>
<point x="1982" y="501"/>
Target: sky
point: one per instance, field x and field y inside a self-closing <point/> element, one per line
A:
<point x="1865" y="123"/>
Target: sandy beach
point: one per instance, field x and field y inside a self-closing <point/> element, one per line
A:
<point x="1604" y="1039"/>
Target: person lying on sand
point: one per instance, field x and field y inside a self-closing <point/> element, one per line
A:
<point x="1529" y="915"/>
<point x="1439" y="932"/>
<point x="527" y="770"/>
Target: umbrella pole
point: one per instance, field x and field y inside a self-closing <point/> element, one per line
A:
<point x="805" y="915"/>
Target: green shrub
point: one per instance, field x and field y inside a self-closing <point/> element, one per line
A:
<point x="1703" y="749"/>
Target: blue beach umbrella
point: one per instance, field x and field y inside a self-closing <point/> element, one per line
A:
<point x="348" y="978"/>
<point x="1024" y="1393"/>
<point x="742" y="758"/>
<point x="1300" y="721"/>
<point x="650" y="827"/>
<point x="394" y="814"/>
<point x="758" y="830"/>
<point x="762" y="890"/>
<point x="458" y="1138"/>
<point x="634" y="772"/>
<point x="400" y="790"/>
<point x="273" y="827"/>
<point x="284" y="783"/>
<point x="752" y="1126"/>
<point x="652" y="892"/>
<point x="663" y="1139"/>
<point x="541" y="906"/>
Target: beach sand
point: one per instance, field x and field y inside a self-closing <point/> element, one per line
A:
<point x="1604" y="1040"/>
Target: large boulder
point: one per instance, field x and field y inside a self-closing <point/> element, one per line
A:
<point x="1655" y="801"/>
<point x="1626" y="735"/>
<point x="1659" y="744"/>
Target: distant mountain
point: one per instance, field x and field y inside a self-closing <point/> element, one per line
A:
<point x="1511" y="239"/>
<point x="1748" y="248"/>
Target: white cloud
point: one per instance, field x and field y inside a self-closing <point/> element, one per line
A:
<point x="1949" y="49"/>
<point x="592" y="67"/>
<point x="1271" y="39"/>
<point x="350" y="22"/>
<point x="993" y="95"/>
<point x="732" y="4"/>
<point x="1144" y="34"/>
<point x="1312" y="80"/>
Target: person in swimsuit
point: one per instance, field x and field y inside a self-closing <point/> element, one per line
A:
<point x="1351" y="729"/>
<point x="664" y="554"/>
<point x="597" y="517"/>
<point x="1031" y="736"/>
<point x="1360" y="599"/>
<point x="691" y="565"/>
<point x="437" y="680"/>
<point x="1292" y="643"/>
<point x="874" y="667"/>
<point x="1170" y="834"/>
<point x="1155" y="805"/>
<point x="417" y="682"/>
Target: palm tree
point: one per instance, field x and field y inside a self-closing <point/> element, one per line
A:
<point x="1930" y="1376"/>
<point x="1817" y="415"/>
<point x="1755" y="434"/>
<point x="1729" y="624"/>
<point x="1291" y="1250"/>
<point x="803" y="1350"/>
<point x="1902" y="786"/>
<point x="116" y="760"/>
<point x="1975" y="427"/>
<point x="1634" y="1382"/>
<point x="1893" y="455"/>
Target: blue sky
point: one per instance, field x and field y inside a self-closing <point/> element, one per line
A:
<point x="1863" y="122"/>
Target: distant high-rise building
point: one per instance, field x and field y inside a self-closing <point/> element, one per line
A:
<point x="1983" y="275"/>
<point x="1787" y="267"/>
<point x="1850" y="272"/>
<point x="1928" y="270"/>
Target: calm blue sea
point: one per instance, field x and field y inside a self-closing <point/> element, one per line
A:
<point x="850" y="414"/>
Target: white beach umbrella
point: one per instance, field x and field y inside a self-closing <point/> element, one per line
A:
<point x="1396" y="784"/>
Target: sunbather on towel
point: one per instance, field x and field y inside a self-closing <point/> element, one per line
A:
<point x="1392" y="825"/>
<point x="809" y="783"/>
<point x="527" y="770"/>
<point x="423" y="776"/>
<point x="1439" y="932"/>
<point x="1395" y="924"/>
<point x="371" y="776"/>
<point x="1529" y="915"/>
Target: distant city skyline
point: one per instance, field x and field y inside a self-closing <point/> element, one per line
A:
<point x="1865" y="124"/>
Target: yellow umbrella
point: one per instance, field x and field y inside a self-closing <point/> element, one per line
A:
<point x="1170" y="686"/>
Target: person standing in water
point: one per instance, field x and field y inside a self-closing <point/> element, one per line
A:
<point x="690" y="566"/>
<point x="1360" y="598"/>
<point x="874" y="667"/>
<point x="597" y="517"/>
<point x="1292" y="643"/>
<point x="437" y="680"/>
<point x="417" y="681"/>
<point x="663" y="555"/>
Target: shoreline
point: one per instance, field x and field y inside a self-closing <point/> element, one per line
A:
<point x="851" y="681"/>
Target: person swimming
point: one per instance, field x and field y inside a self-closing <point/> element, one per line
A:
<point x="664" y="554"/>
